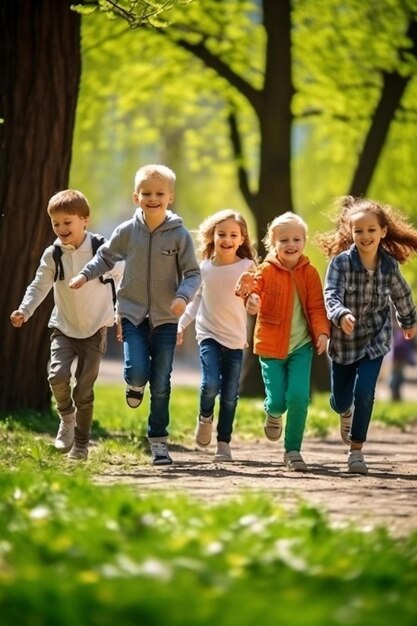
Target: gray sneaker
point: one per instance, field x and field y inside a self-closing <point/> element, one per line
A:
<point x="295" y="462"/>
<point x="79" y="452"/>
<point x="223" y="452"/>
<point x="160" y="454"/>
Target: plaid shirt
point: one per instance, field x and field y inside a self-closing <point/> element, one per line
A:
<point x="350" y="288"/>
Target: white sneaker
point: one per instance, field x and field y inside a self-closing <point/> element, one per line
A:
<point x="356" y="463"/>
<point x="65" y="435"/>
<point x="345" y="426"/>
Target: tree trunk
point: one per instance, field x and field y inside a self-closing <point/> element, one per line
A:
<point x="41" y="64"/>
<point x="274" y="194"/>
<point x="394" y="86"/>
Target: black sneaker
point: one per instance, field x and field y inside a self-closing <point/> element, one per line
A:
<point x="134" y="397"/>
<point x="160" y="454"/>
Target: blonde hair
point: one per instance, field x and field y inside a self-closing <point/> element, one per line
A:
<point x="400" y="240"/>
<point x="69" y="201"/>
<point x="155" y="171"/>
<point x="206" y="234"/>
<point x="286" y="218"/>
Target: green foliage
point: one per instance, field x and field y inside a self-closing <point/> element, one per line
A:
<point x="72" y="552"/>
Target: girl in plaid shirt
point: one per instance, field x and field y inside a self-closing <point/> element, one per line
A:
<point x="363" y="280"/>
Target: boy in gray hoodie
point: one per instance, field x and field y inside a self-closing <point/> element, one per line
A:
<point x="161" y="276"/>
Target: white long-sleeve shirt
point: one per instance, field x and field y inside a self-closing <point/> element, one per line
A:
<point x="219" y="314"/>
<point x="78" y="313"/>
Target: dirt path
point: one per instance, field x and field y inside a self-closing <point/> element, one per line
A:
<point x="387" y="496"/>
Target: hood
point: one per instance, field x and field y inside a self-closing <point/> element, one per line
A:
<point x="273" y="260"/>
<point x="172" y="220"/>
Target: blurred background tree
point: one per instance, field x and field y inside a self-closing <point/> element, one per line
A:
<point x="260" y="99"/>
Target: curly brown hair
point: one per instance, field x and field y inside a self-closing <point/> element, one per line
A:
<point x="401" y="238"/>
<point x="206" y="234"/>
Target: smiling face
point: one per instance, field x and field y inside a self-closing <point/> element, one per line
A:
<point x="227" y="239"/>
<point x="367" y="234"/>
<point x="289" y="242"/>
<point x="153" y="196"/>
<point x="70" y="229"/>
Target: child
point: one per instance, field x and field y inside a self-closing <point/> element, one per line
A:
<point x="362" y="281"/>
<point x="287" y="295"/>
<point x="220" y="323"/>
<point x="79" y="321"/>
<point x="161" y="276"/>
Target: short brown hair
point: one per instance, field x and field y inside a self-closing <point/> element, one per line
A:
<point x="69" y="201"/>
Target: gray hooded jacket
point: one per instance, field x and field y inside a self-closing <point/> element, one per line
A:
<point x="159" y="266"/>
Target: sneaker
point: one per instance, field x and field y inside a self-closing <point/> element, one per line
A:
<point x="295" y="462"/>
<point x="203" y="431"/>
<point x="160" y="454"/>
<point x="134" y="396"/>
<point x="356" y="463"/>
<point x="345" y="426"/>
<point x="79" y="452"/>
<point x="273" y="427"/>
<point x="223" y="452"/>
<point x="65" y="435"/>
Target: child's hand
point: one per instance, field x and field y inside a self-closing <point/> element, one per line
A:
<point x="77" y="281"/>
<point x="347" y="323"/>
<point x="17" y="319"/>
<point x="409" y="333"/>
<point x="180" y="337"/>
<point x="252" y="304"/>
<point x="244" y="285"/>
<point x="321" y="344"/>
<point x="177" y="306"/>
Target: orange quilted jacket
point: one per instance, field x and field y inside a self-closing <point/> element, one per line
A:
<point x="276" y="286"/>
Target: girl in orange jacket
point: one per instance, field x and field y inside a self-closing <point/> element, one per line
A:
<point x="287" y="295"/>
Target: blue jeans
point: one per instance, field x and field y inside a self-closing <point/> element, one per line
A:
<point x="148" y="355"/>
<point x="354" y="384"/>
<point x="287" y="388"/>
<point x="221" y="369"/>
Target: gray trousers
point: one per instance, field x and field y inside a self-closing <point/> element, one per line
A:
<point x="76" y="396"/>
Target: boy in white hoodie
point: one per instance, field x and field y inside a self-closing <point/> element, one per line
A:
<point x="79" y="319"/>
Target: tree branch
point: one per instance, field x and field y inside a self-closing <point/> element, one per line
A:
<point x="199" y="50"/>
<point x="239" y="158"/>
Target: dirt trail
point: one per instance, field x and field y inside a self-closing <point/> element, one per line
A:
<point x="387" y="496"/>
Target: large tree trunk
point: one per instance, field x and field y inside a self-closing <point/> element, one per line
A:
<point x="41" y="63"/>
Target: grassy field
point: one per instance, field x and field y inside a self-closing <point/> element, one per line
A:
<point x="73" y="553"/>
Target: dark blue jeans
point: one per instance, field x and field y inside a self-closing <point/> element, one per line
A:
<point x="148" y="355"/>
<point x="355" y="384"/>
<point x="221" y="369"/>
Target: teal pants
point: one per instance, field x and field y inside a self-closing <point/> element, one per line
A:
<point x="287" y="389"/>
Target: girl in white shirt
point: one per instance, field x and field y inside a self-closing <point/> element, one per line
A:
<point x="220" y="320"/>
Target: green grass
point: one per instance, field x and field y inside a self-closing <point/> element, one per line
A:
<point x="75" y="553"/>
